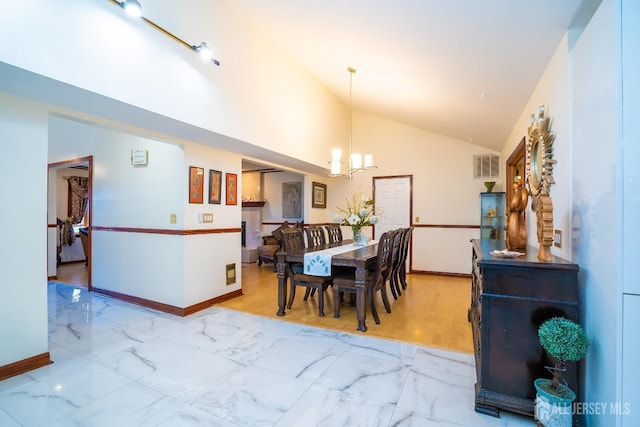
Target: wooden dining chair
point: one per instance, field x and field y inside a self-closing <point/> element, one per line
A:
<point x="345" y="281"/>
<point x="315" y="237"/>
<point x="404" y="253"/>
<point x="334" y="232"/>
<point x="292" y="240"/>
<point x="396" y="256"/>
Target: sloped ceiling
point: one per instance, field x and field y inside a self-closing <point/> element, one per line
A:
<point x="461" y="68"/>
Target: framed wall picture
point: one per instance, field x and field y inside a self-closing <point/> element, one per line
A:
<point x="319" y="195"/>
<point x="215" y="187"/>
<point x="291" y="199"/>
<point x="232" y="188"/>
<point x="196" y="184"/>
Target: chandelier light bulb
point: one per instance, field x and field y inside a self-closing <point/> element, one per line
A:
<point x="356" y="161"/>
<point x="368" y="161"/>
<point x="335" y="167"/>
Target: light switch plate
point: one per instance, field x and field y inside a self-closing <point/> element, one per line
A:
<point x="206" y="218"/>
<point x="139" y="157"/>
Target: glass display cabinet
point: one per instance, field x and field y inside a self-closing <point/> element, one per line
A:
<point x="492" y="216"/>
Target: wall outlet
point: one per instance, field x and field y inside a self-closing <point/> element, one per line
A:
<point x="173" y="218"/>
<point x="206" y="218"/>
<point x="557" y="238"/>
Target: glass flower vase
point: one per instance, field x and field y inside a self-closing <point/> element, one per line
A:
<point x="359" y="239"/>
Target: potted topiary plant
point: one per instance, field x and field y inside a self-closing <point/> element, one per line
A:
<point x="565" y="341"/>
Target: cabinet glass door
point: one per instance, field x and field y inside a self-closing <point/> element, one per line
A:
<point x="492" y="216"/>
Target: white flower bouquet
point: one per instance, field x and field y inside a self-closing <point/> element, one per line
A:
<point x="359" y="212"/>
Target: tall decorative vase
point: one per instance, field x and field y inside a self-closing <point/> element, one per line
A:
<point x="359" y="239"/>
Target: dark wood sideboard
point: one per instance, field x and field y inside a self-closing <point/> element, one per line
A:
<point x="510" y="299"/>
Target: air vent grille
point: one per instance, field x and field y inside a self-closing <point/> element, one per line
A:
<point x="486" y="166"/>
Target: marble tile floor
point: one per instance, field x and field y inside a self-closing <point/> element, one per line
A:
<point x="118" y="364"/>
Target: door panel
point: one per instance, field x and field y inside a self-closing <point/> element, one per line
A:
<point x="393" y="202"/>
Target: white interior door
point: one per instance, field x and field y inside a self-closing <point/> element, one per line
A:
<point x="393" y="202"/>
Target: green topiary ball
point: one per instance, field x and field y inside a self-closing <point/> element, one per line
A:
<point x="563" y="339"/>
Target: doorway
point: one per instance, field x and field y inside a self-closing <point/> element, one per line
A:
<point x="515" y="168"/>
<point x="75" y="270"/>
<point x="393" y="199"/>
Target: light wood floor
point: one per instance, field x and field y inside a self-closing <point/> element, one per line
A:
<point x="73" y="274"/>
<point x="432" y="311"/>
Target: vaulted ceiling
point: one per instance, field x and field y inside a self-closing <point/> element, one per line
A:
<point x="461" y="68"/>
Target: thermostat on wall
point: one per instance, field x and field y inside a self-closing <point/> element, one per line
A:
<point x="139" y="156"/>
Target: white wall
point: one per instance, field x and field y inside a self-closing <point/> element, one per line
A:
<point x="173" y="269"/>
<point x="23" y="126"/>
<point x="258" y="94"/>
<point x="206" y="256"/>
<point x="596" y="199"/>
<point x="631" y="208"/>
<point x="317" y="215"/>
<point x="552" y="91"/>
<point x="444" y="191"/>
<point x="124" y="195"/>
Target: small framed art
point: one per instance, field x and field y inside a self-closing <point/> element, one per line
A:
<point x="231" y="189"/>
<point x="196" y="184"/>
<point x="215" y="187"/>
<point x="319" y="192"/>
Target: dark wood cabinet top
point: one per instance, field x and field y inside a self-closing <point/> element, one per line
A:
<point x="528" y="260"/>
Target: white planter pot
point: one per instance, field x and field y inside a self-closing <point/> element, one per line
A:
<point x="550" y="410"/>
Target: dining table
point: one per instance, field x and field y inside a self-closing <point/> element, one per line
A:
<point x="361" y="258"/>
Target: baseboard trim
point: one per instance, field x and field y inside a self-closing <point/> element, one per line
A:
<point x="75" y="261"/>
<point x="209" y="303"/>
<point x="167" y="308"/>
<point x="166" y="231"/>
<point x="25" y="365"/>
<point x="52" y="277"/>
<point x="441" y="273"/>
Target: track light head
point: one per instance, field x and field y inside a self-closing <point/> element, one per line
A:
<point x="132" y="7"/>
<point x="205" y="52"/>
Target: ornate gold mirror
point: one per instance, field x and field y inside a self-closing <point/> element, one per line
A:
<point x="540" y="153"/>
<point x="540" y="177"/>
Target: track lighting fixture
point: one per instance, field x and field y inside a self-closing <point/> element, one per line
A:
<point x="134" y="8"/>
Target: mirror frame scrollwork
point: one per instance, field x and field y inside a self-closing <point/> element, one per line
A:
<point x="540" y="177"/>
<point x="540" y="153"/>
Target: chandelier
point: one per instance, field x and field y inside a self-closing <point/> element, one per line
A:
<point x="355" y="160"/>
